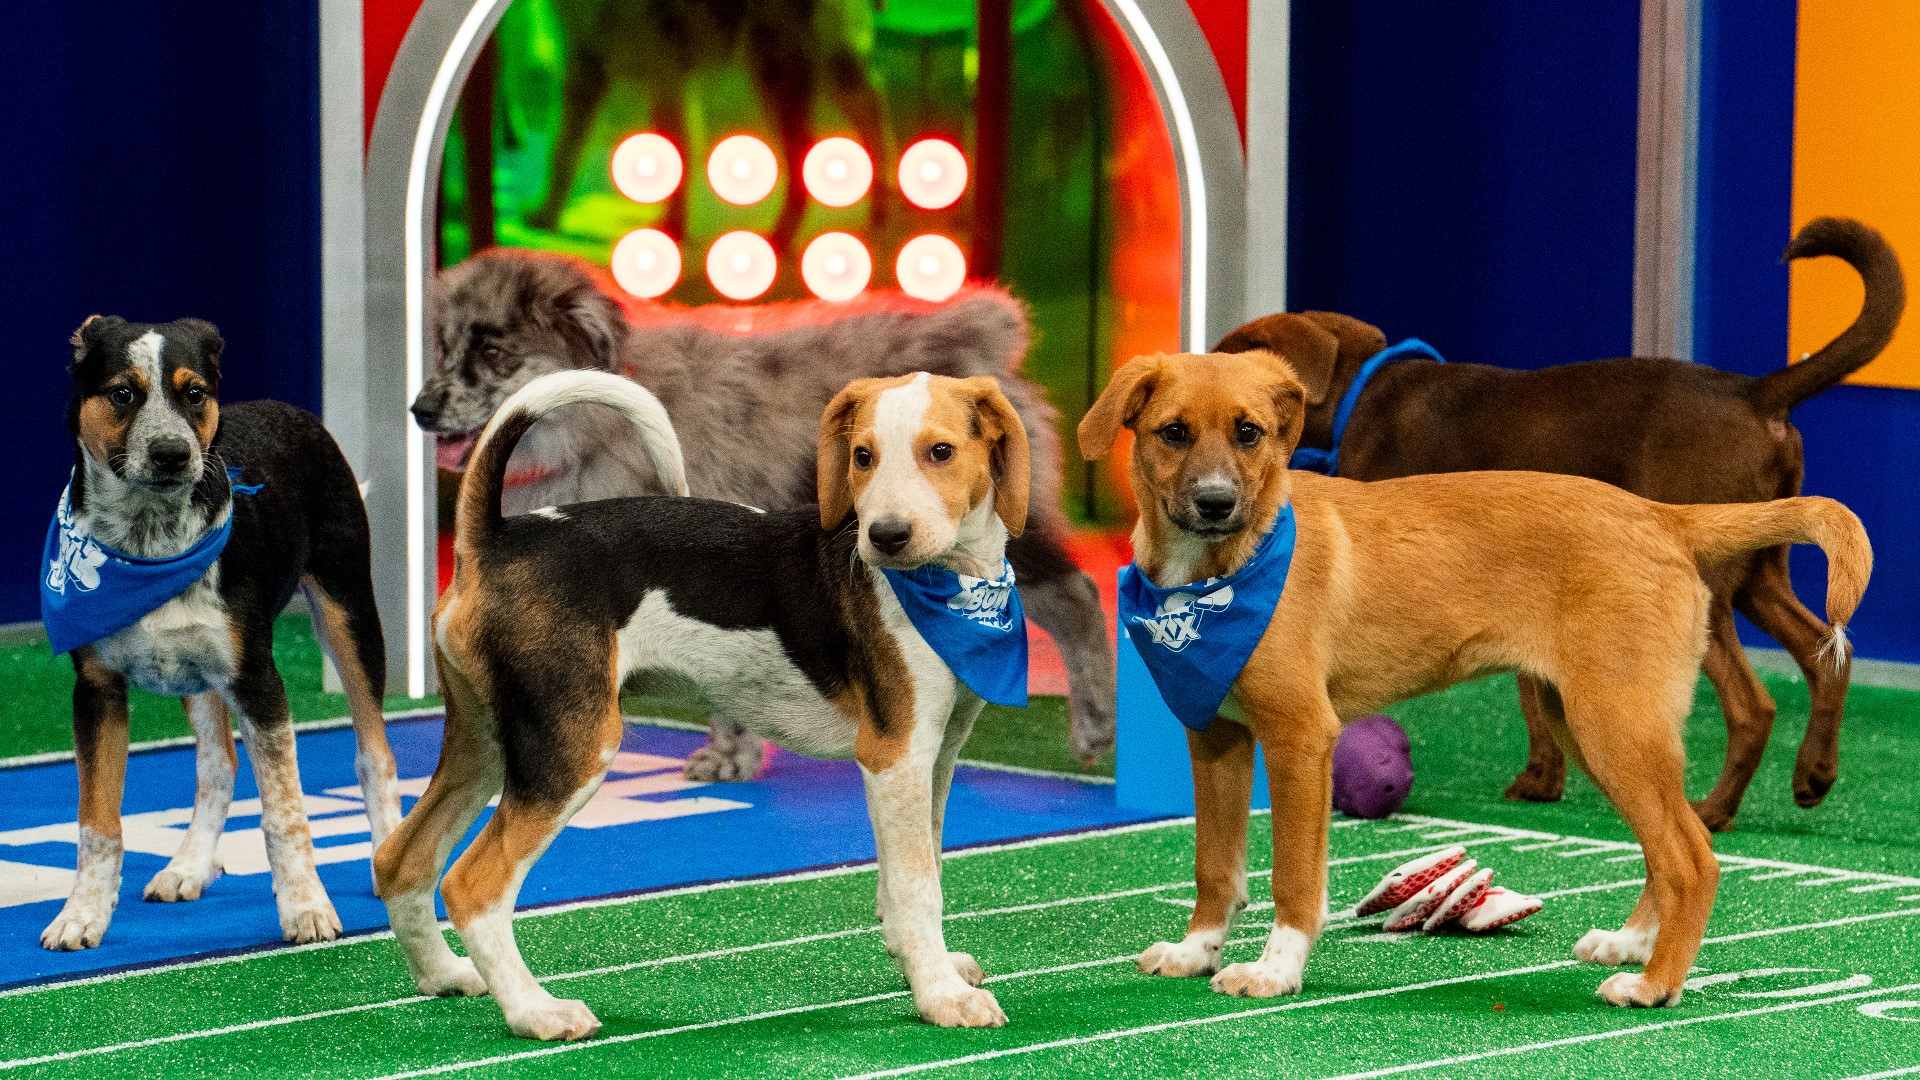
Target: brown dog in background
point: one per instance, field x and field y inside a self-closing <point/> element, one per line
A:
<point x="1402" y="587"/>
<point x="1666" y="430"/>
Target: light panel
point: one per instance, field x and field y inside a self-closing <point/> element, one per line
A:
<point x="741" y="265"/>
<point x="933" y="174"/>
<point x="836" y="266"/>
<point x="837" y="171"/>
<point x="930" y="267"/>
<point x="646" y="263"/>
<point x="647" y="167"/>
<point x="742" y="170"/>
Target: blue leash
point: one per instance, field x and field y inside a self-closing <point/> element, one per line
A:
<point x="1327" y="462"/>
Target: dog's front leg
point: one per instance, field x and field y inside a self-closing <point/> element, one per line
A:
<point x="259" y="699"/>
<point x="899" y="779"/>
<point x="100" y="753"/>
<point x="1222" y="791"/>
<point x="1299" y="756"/>
<point x="197" y="863"/>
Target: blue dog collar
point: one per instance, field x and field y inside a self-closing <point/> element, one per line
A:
<point x="975" y="625"/>
<point x="1196" y="638"/>
<point x="89" y="591"/>
<point x="1327" y="462"/>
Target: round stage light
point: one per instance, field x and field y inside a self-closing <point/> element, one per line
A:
<point x="742" y="170"/>
<point x="836" y="266"/>
<point x="646" y="263"/>
<point x="933" y="174"/>
<point x="930" y="267"/>
<point x="741" y="265"/>
<point x="647" y="167"/>
<point x="837" y="171"/>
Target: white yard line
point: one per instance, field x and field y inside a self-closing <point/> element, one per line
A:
<point x="299" y="726"/>
<point x="1172" y="1025"/>
<point x="1620" y="1033"/>
<point x="1908" y="1071"/>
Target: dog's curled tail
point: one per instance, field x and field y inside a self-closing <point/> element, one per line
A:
<point x="477" y="513"/>
<point x="1721" y="532"/>
<point x="1867" y="252"/>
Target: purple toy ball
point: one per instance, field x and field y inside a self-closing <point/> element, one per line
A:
<point x="1372" y="768"/>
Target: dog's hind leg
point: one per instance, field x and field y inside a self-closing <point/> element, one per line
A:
<point x="1063" y="600"/>
<point x="349" y="628"/>
<point x="484" y="883"/>
<point x="100" y="753"/>
<point x="1630" y="735"/>
<point x="1767" y="598"/>
<point x="1222" y="792"/>
<point x="1545" y="777"/>
<point x="197" y="863"/>
<point x="732" y="753"/>
<point x="1749" y="712"/>
<point x="407" y="867"/>
<point x="259" y="700"/>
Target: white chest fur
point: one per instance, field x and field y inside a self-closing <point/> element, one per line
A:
<point x="182" y="647"/>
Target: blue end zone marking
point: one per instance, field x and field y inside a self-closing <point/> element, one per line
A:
<point x="646" y="829"/>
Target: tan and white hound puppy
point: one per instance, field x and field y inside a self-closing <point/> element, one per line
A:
<point x="784" y="619"/>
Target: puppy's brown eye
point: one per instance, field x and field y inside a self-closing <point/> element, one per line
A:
<point x="1175" y="434"/>
<point x="862" y="458"/>
<point x="1248" y="434"/>
<point x="940" y="451"/>
<point x="121" y="395"/>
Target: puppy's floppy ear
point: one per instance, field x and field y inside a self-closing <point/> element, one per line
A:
<point x="1312" y="349"/>
<point x="87" y="335"/>
<point x="836" y="454"/>
<point x="1011" y="460"/>
<point x="593" y="323"/>
<point x="1119" y="405"/>
<point x="212" y="346"/>
<point x="1358" y="340"/>
<point x="1289" y="395"/>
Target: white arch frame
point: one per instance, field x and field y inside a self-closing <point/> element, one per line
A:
<point x="403" y="160"/>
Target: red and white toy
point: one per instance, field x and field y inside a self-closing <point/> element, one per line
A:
<point x="1445" y="887"/>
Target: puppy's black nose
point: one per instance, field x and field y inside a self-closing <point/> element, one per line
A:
<point x="425" y="414"/>
<point x="169" y="454"/>
<point x="1214" y="505"/>
<point x="889" y="535"/>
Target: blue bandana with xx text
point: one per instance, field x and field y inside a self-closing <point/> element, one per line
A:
<point x="1196" y="638"/>
<point x="973" y="624"/>
<point x="89" y="591"/>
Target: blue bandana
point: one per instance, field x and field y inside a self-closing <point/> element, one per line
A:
<point x="1314" y="459"/>
<point x="89" y="591"/>
<point x="974" y="624"/>
<point x="1196" y="638"/>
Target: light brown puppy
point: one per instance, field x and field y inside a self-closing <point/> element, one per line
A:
<point x="1402" y="587"/>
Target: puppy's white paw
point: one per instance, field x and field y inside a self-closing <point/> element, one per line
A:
<point x="724" y="764"/>
<point x="967" y="1007"/>
<point x="554" y="1019"/>
<point x="968" y="967"/>
<point x="311" y="921"/>
<point x="1266" y="977"/>
<point x="1181" y="959"/>
<point x="1614" y="947"/>
<point x="80" y="925"/>
<point x="457" y="978"/>
<point x="180" y="884"/>
<point x="1632" y="990"/>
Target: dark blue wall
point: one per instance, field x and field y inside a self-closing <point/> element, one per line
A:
<point x="156" y="161"/>
<point x="1465" y="173"/>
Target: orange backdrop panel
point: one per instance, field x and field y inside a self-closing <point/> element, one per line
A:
<point x="1856" y="152"/>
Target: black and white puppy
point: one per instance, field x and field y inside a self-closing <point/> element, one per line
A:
<point x="785" y="619"/>
<point x="153" y="456"/>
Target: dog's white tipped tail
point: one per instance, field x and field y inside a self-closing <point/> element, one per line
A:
<point x="479" y="505"/>
<point x="1837" y="649"/>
